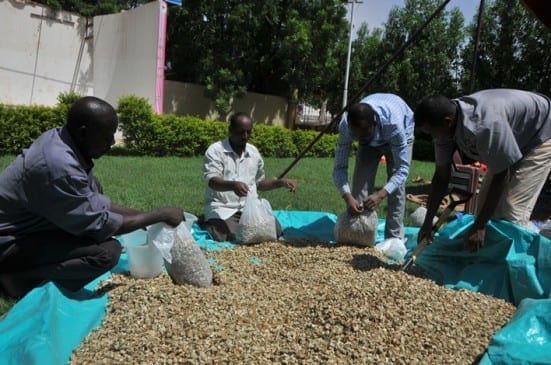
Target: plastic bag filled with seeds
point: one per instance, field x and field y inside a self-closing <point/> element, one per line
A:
<point x="257" y="222"/>
<point x="189" y="264"/>
<point x="359" y="230"/>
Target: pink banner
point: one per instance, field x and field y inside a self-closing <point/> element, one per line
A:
<point x="160" y="78"/>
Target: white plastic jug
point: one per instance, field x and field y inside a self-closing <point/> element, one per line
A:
<point x="145" y="260"/>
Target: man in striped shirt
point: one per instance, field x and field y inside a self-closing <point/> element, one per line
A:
<point x="383" y="125"/>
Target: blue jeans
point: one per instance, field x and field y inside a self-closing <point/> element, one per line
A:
<point x="363" y="184"/>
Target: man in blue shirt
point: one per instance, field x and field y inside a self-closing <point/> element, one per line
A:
<point x="55" y="222"/>
<point x="383" y="126"/>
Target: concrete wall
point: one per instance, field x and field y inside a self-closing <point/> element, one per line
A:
<point x="125" y="54"/>
<point x="188" y="99"/>
<point x="42" y="54"/>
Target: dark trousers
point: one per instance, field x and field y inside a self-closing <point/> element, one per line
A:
<point x="57" y="256"/>
<point x="225" y="230"/>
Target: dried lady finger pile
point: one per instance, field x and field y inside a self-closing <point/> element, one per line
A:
<point x="293" y="303"/>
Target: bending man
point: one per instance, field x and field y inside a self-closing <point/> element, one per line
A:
<point x="508" y="130"/>
<point x="383" y="125"/>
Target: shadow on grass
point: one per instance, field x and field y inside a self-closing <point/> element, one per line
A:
<point x="418" y="189"/>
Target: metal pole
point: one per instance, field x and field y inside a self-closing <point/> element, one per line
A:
<point x="476" y="44"/>
<point x="396" y="54"/>
<point x="345" y="95"/>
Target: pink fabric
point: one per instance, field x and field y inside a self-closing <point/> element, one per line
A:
<point x="160" y="78"/>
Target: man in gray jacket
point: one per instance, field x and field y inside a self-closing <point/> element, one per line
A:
<point x="509" y="131"/>
<point x="55" y="222"/>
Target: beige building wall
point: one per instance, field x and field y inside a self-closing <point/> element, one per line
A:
<point x="189" y="99"/>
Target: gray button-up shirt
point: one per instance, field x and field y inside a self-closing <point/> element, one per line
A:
<point x="50" y="186"/>
<point x="221" y="161"/>
<point x="498" y="127"/>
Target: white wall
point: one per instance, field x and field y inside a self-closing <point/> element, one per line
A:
<point x="42" y="54"/>
<point x="126" y="54"/>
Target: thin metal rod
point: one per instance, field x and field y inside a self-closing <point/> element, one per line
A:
<point x="347" y="73"/>
<point x="337" y="117"/>
<point x="476" y="44"/>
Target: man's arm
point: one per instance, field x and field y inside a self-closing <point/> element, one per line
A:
<point x="475" y="237"/>
<point x="438" y="189"/>
<point x="219" y="184"/>
<point x="270" y="184"/>
<point x="134" y="219"/>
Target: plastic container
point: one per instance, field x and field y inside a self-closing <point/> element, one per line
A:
<point x="145" y="261"/>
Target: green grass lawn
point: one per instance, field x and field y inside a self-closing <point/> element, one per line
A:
<point x="151" y="182"/>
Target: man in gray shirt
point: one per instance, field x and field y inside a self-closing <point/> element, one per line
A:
<point x="510" y="132"/>
<point x="55" y="222"/>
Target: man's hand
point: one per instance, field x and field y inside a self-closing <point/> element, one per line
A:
<point x="289" y="184"/>
<point x="353" y="207"/>
<point x="172" y="216"/>
<point x="240" y="188"/>
<point x="373" y="200"/>
<point x="475" y="238"/>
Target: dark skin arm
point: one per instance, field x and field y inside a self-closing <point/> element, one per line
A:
<point x="270" y="184"/>
<point x="241" y="189"/>
<point x="134" y="219"/>
<point x="475" y="237"/>
<point x="438" y="188"/>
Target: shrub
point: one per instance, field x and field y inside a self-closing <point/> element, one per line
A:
<point x="146" y="133"/>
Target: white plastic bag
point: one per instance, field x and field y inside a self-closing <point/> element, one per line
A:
<point x="545" y="229"/>
<point x="161" y="235"/>
<point x="393" y="248"/>
<point x="257" y="222"/>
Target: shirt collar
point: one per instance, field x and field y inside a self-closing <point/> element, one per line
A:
<point x="65" y="136"/>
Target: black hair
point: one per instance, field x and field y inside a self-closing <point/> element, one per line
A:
<point x="359" y="113"/>
<point x="234" y="118"/>
<point x="433" y="109"/>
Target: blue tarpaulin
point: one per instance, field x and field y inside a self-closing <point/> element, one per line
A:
<point x="48" y="323"/>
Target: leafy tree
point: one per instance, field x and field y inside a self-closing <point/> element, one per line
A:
<point x="365" y="54"/>
<point x="430" y="64"/>
<point x="91" y="7"/>
<point x="283" y="47"/>
<point x="513" y="51"/>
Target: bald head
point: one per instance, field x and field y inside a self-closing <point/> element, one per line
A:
<point x="92" y="123"/>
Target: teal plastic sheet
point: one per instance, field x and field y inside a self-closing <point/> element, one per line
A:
<point x="47" y="324"/>
<point x="526" y="339"/>
<point x="513" y="264"/>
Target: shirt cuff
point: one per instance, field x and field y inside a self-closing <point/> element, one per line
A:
<point x="110" y="228"/>
<point x="390" y="187"/>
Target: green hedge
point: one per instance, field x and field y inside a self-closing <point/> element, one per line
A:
<point x="166" y="135"/>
